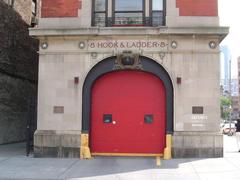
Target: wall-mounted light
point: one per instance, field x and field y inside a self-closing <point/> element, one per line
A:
<point x="81" y="45"/>
<point x="212" y="44"/>
<point x="179" y="80"/>
<point x="174" y="44"/>
<point x="44" y="45"/>
<point x="76" y="80"/>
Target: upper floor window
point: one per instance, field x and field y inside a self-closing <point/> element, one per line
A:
<point x="99" y="16"/>
<point x="157" y="13"/>
<point x="128" y="12"/>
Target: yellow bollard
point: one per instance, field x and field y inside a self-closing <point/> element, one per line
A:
<point x="158" y="161"/>
<point x="168" y="150"/>
<point x="84" y="148"/>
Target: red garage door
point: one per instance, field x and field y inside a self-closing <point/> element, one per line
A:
<point x="128" y="113"/>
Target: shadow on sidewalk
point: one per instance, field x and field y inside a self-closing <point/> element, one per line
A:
<point x="100" y="166"/>
<point x="15" y="164"/>
<point x="16" y="160"/>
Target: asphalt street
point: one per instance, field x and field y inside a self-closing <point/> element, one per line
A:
<point x="15" y="165"/>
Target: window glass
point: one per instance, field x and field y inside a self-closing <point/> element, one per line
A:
<point x="157" y="5"/>
<point x="157" y="18"/>
<point x="100" y="5"/>
<point x="100" y="19"/>
<point x="128" y="12"/>
<point x="128" y="18"/>
<point x="128" y="5"/>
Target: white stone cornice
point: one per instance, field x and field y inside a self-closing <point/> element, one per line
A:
<point x="221" y="32"/>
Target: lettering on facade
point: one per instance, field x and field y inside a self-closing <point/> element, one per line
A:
<point x="128" y="44"/>
<point x="198" y="125"/>
<point x="199" y="117"/>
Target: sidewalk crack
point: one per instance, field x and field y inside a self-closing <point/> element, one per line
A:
<point x="67" y="169"/>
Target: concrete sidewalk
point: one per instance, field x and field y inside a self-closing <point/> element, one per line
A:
<point x="15" y="165"/>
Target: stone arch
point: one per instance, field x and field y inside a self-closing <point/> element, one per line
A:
<point x="108" y="65"/>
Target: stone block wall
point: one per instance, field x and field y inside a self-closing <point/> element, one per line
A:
<point x="18" y="76"/>
<point x="197" y="144"/>
<point x="53" y="143"/>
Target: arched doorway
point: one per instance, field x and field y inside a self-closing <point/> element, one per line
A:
<point x="148" y="66"/>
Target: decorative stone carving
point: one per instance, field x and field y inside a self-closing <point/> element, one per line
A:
<point x="128" y="60"/>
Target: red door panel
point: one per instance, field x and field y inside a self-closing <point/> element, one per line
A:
<point x="128" y="96"/>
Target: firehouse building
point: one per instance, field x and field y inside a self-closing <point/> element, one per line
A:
<point x="128" y="78"/>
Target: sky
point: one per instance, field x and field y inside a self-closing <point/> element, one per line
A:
<point x="229" y="13"/>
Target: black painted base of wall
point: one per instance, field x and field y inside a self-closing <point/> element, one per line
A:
<point x="56" y="152"/>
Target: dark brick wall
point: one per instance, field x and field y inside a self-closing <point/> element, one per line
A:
<point x="18" y="76"/>
<point x="60" y="8"/>
<point x="197" y="7"/>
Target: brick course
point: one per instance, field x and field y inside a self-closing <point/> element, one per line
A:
<point x="197" y="7"/>
<point x="60" y="8"/>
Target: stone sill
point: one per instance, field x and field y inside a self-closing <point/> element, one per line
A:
<point x="133" y="31"/>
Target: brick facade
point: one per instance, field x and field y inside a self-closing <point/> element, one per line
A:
<point x="69" y="8"/>
<point x="60" y="8"/>
<point x="197" y="7"/>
